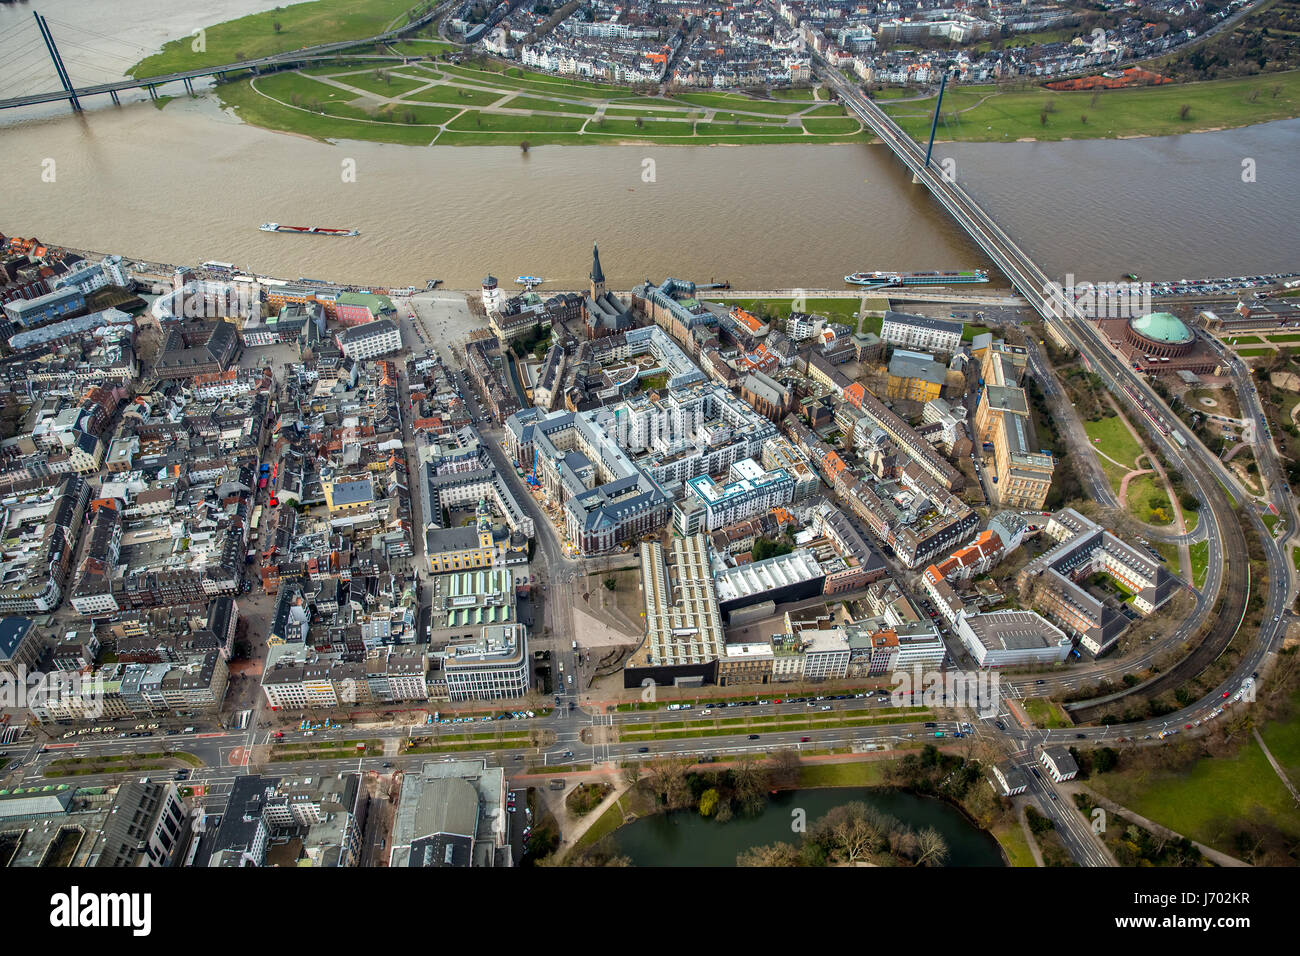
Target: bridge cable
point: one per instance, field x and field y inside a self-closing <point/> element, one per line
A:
<point x="137" y="49"/>
<point x="16" y="83"/>
<point x="14" y="29"/>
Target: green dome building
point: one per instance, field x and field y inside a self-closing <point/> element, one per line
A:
<point x="1159" y="335"/>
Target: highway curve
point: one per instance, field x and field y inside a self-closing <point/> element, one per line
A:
<point x="1233" y="594"/>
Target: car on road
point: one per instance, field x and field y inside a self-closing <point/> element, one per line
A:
<point x="753" y="736"/>
<point x="1035" y="772"/>
<point x="1040" y="682"/>
<point x="1000" y="725"/>
<point x="824" y="707"/>
<point x="386" y="766"/>
<point x="804" y="740"/>
<point x="643" y="750"/>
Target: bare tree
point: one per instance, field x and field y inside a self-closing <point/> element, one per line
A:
<point x="750" y="781"/>
<point x="632" y="774"/>
<point x="775" y="854"/>
<point x="784" y="769"/>
<point x="932" y="849"/>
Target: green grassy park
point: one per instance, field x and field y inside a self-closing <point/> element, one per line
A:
<point x="1211" y="799"/>
<point x="301" y="24"/>
<point x="986" y="114"/>
<point x="462" y="106"/>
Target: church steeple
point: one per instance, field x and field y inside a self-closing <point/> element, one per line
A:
<point x="597" y="276"/>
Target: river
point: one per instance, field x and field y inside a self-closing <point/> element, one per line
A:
<point x="189" y="182"/>
<point x="687" y="839"/>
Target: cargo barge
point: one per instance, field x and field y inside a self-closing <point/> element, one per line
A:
<point x="307" y="230"/>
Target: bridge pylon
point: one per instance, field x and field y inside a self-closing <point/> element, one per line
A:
<point x="59" y="68"/>
<point x="934" y="125"/>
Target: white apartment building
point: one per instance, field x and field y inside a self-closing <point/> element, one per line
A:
<point x="85" y="278"/>
<point x="750" y="491"/>
<point x="370" y="340"/>
<point x="921" y="331"/>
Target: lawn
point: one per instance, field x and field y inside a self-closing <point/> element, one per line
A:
<point x="1148" y="501"/>
<point x="302" y="24"/>
<point x="741" y="129"/>
<point x="1295" y="558"/>
<point x="460" y="96"/>
<point x="844" y="310"/>
<point x="809" y="95"/>
<point x="473" y="120"/>
<point x="682" y="114"/>
<point x="1254" y="353"/>
<point x="538" y="83"/>
<point x="388" y="85"/>
<point x="857" y="773"/>
<point x="833" y="109"/>
<point x="1046" y="713"/>
<point x="419" y="47"/>
<point x="844" y="124"/>
<point x="1112" y="438"/>
<point x="1200" y="557"/>
<point x="605" y="824"/>
<point x="253" y="107"/>
<point x="1289" y="337"/>
<point x="1011" y="837"/>
<point x="981" y="113"/>
<point x="723" y="116"/>
<point x="118" y="763"/>
<point x="737" y="101"/>
<point x="547" y="106"/>
<point x="648" y="127"/>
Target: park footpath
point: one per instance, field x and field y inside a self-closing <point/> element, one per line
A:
<point x="1218" y="857"/>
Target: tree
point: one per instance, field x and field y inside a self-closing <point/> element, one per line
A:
<point x="276" y="26"/>
<point x="852" y="831"/>
<point x="932" y="849"/>
<point x="749" y="781"/>
<point x="632" y="774"/>
<point x="611" y="584"/>
<point x="668" y="780"/>
<point x="1184" y="111"/>
<point x="708" y="802"/>
<point x="774" y="854"/>
<point x="783" y="770"/>
<point x="525" y="145"/>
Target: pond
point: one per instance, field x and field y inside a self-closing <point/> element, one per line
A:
<point x="687" y="839"/>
